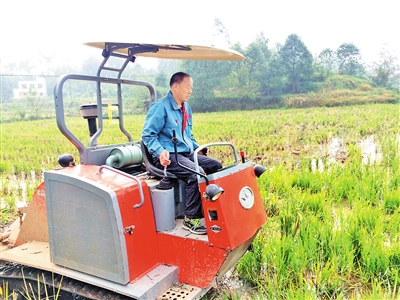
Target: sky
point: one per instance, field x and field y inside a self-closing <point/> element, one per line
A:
<point x="58" y="29"/>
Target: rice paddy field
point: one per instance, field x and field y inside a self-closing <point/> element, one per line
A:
<point x="331" y="193"/>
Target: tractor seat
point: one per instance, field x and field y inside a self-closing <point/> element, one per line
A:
<point x="151" y="168"/>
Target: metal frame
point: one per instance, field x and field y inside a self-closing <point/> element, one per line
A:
<point x="88" y="154"/>
<point x="94" y="154"/>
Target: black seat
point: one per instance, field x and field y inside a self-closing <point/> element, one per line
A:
<point x="151" y="168"/>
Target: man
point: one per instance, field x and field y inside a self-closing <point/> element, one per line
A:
<point x="172" y="112"/>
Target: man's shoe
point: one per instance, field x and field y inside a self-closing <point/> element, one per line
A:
<point x="194" y="226"/>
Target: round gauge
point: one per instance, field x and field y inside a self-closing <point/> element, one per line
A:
<point x="246" y="197"/>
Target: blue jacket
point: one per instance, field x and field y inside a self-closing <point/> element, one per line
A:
<point x="163" y="117"/>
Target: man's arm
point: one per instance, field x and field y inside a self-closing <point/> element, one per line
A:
<point x="152" y="127"/>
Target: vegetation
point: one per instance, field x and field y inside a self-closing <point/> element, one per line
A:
<point x="281" y="75"/>
<point x="332" y="190"/>
<point x="333" y="203"/>
<point x="334" y="90"/>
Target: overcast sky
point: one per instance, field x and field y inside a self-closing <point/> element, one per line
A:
<point x="58" y="28"/>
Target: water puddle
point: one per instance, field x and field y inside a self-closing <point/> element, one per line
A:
<point x="335" y="153"/>
<point x="16" y="189"/>
<point x="371" y="153"/>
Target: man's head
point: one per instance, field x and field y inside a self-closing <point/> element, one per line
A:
<point x="181" y="85"/>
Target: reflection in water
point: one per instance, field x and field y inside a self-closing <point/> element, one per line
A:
<point x="335" y="153"/>
<point x="15" y="189"/>
<point x="371" y="153"/>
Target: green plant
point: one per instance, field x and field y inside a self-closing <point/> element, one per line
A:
<point x="331" y="234"/>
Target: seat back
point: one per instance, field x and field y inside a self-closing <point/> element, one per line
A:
<point x="150" y="167"/>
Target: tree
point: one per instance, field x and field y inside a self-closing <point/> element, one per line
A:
<point x="275" y="73"/>
<point x="296" y="61"/>
<point x="6" y="89"/>
<point x="91" y="65"/>
<point x="254" y="63"/>
<point x="385" y="72"/>
<point x="326" y="61"/>
<point x="349" y="60"/>
<point x="239" y="68"/>
<point x="221" y="33"/>
<point x="168" y="66"/>
<point x="207" y="75"/>
<point x="161" y="79"/>
<point x="26" y="67"/>
<point x="161" y="83"/>
<point x="264" y="67"/>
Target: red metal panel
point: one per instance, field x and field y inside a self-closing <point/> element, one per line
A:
<point x="198" y="263"/>
<point x="235" y="224"/>
<point x="34" y="227"/>
<point x="141" y="245"/>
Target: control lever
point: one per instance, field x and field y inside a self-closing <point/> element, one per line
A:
<point x="174" y="140"/>
<point x="165" y="183"/>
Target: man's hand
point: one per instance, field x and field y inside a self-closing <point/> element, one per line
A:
<point x="204" y="151"/>
<point x="164" y="158"/>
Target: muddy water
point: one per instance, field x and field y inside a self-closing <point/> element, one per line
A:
<point x="371" y="153"/>
<point x="16" y="189"/>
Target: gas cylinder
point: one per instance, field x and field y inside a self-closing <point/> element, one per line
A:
<point x="124" y="156"/>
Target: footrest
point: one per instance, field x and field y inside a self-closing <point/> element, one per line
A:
<point x="183" y="291"/>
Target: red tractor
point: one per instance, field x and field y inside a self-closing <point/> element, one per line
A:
<point x="110" y="227"/>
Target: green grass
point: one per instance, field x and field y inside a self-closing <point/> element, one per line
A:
<point x="331" y="234"/>
<point x="342" y="90"/>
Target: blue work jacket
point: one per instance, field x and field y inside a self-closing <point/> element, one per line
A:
<point x="163" y="117"/>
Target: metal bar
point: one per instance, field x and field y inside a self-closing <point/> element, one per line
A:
<point x="93" y="139"/>
<point x="136" y="48"/>
<point x="111" y="69"/>
<point x="120" y="113"/>
<point x="136" y="206"/>
<point x="60" y="113"/>
<point x="196" y="162"/>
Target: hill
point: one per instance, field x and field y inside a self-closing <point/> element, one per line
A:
<point x="339" y="90"/>
<point x="335" y="90"/>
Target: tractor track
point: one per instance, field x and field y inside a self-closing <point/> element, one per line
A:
<point x="42" y="284"/>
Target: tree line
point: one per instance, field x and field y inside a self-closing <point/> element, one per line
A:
<point x="290" y="68"/>
<point x="267" y="74"/>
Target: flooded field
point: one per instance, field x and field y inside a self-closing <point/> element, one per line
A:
<point x="371" y="153"/>
<point x="331" y="193"/>
<point x="20" y="186"/>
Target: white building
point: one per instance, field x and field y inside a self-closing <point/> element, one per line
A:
<point x="34" y="88"/>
